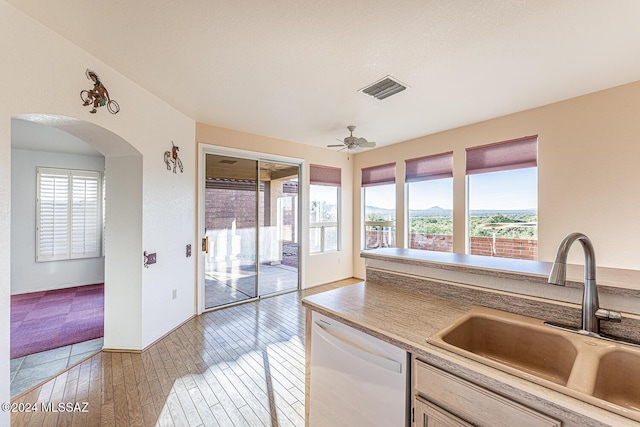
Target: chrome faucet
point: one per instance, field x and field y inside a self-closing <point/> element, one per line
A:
<point x="591" y="311"/>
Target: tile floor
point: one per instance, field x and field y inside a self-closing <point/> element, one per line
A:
<point x="234" y="286"/>
<point x="28" y="371"/>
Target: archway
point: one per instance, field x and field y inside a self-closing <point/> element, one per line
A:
<point x="123" y="222"/>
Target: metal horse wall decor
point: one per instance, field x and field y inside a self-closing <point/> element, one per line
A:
<point x="172" y="158"/>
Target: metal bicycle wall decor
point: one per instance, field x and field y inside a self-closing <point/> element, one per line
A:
<point x="172" y="158"/>
<point x="98" y="96"/>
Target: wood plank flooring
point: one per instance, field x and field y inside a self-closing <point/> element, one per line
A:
<point x="238" y="366"/>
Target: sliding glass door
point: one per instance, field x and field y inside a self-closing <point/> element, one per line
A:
<point x="251" y="229"/>
<point x="278" y="268"/>
<point x="230" y="212"/>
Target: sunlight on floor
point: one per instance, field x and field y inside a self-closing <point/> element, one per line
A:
<point x="276" y="395"/>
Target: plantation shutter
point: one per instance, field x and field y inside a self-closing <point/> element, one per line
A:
<point x="53" y="215"/>
<point x="502" y="156"/>
<point x="69" y="217"/>
<point x="324" y="175"/>
<point x="379" y="175"/>
<point x="85" y="218"/>
<point x="430" y="167"/>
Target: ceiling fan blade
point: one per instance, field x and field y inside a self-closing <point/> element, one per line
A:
<point x="336" y="145"/>
<point x="367" y="144"/>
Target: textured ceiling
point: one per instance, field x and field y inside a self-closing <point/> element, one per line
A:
<point x="292" y="69"/>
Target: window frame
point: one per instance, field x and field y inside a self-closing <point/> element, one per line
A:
<point x="69" y="217"/>
<point x="434" y="167"/>
<point x="326" y="176"/>
<point x="505" y="156"/>
<point x="378" y="176"/>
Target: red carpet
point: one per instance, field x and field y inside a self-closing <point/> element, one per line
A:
<point x="44" y="320"/>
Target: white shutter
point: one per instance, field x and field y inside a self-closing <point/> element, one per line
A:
<point x="69" y="214"/>
<point x="53" y="215"/>
<point x="85" y="214"/>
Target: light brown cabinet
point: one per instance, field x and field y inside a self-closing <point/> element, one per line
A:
<point x="444" y="400"/>
<point x="429" y="415"/>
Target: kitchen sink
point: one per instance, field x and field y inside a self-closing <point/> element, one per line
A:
<point x="524" y="345"/>
<point x="595" y="370"/>
<point x="617" y="378"/>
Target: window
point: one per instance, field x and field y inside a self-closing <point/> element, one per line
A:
<point x="324" y="209"/>
<point x="379" y="201"/>
<point x="68" y="214"/>
<point x="502" y="187"/>
<point x="429" y="188"/>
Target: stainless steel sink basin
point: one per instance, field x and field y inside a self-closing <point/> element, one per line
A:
<point x="594" y="370"/>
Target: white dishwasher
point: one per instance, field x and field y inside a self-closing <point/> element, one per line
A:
<point x="356" y="379"/>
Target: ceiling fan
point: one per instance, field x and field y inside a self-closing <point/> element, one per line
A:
<point x="352" y="142"/>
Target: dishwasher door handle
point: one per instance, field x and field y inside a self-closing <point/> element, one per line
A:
<point x="360" y="353"/>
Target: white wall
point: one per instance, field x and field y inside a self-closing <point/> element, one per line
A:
<point x="27" y="275"/>
<point x="123" y="274"/>
<point x="44" y="73"/>
<point x="588" y="175"/>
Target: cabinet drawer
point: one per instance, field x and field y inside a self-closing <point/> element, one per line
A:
<point x="473" y="403"/>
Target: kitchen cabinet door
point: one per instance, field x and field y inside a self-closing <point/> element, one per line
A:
<point x="429" y="415"/>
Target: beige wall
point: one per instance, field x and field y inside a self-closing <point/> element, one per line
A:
<point x="589" y="178"/>
<point x="317" y="268"/>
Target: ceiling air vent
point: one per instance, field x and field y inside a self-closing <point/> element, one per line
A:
<point x="384" y="88"/>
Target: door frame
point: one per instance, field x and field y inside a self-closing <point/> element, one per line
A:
<point x="203" y="150"/>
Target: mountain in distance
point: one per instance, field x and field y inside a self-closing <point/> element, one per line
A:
<point x="438" y="211"/>
<point x="432" y="211"/>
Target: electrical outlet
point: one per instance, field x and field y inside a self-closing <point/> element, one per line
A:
<point x="174" y="294"/>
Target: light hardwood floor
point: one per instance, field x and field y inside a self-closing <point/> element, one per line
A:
<point x="238" y="366"/>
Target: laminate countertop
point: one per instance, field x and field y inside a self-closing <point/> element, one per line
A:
<point x="406" y="318"/>
<point x="400" y="316"/>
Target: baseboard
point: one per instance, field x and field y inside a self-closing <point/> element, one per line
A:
<point x="55" y="288"/>
<point x="121" y="350"/>
<point x="169" y="332"/>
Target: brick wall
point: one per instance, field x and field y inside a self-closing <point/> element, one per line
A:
<point x="505" y="248"/>
<point x="431" y="242"/>
<point x="224" y="206"/>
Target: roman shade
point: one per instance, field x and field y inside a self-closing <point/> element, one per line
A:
<point x="514" y="154"/>
<point x="426" y="168"/>
<point x="324" y="175"/>
<point x="379" y="175"/>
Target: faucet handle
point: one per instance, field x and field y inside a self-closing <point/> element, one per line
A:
<point x="609" y="315"/>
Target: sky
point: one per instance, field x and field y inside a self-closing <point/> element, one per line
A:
<point x="323" y="193"/>
<point x="508" y="190"/>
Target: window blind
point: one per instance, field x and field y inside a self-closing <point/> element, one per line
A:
<point x="53" y="213"/>
<point x="325" y="175"/>
<point x="85" y="218"/>
<point x="69" y="214"/>
<point x="514" y="154"/>
<point x="379" y="175"/>
<point x="426" y="168"/>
